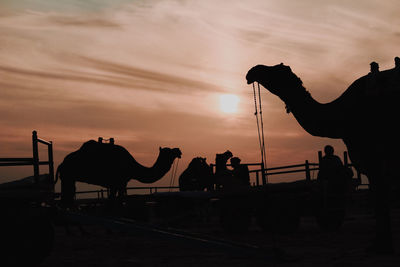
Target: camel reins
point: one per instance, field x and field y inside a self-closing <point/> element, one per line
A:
<point x="260" y="125"/>
<point x="173" y="174"/>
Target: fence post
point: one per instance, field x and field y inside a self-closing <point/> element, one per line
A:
<point x="308" y="176"/>
<point x="35" y="157"/>
<point x="263" y="175"/>
<point x="319" y="157"/>
<point x="345" y="159"/>
<point x="257" y="179"/>
<point x="51" y="162"/>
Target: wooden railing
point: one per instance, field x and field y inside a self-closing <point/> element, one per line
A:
<point x="34" y="161"/>
<point x="104" y="192"/>
<point x="261" y="174"/>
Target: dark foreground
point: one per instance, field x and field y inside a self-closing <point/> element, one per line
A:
<point x="309" y="246"/>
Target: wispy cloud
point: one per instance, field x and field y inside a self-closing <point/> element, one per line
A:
<point x="151" y="72"/>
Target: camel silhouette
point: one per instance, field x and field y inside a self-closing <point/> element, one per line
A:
<point x="197" y="176"/>
<point x="365" y="117"/>
<point x="110" y="166"/>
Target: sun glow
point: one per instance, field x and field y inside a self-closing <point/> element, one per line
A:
<point x="228" y="103"/>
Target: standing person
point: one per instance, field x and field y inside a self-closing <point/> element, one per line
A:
<point x="332" y="171"/>
<point x="240" y="172"/>
<point x="331" y="166"/>
<point x="223" y="176"/>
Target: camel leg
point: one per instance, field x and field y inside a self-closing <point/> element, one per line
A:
<point x="381" y="193"/>
<point x="113" y="194"/>
<point x="67" y="192"/>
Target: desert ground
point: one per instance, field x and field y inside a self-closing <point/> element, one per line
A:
<point x="309" y="246"/>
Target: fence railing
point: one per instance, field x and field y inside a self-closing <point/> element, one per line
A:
<point x="260" y="179"/>
<point x="34" y="161"/>
<point x="101" y="193"/>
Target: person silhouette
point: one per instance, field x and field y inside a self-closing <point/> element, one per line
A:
<point x="223" y="176"/>
<point x="332" y="172"/>
<point x="331" y="166"/>
<point x="374" y="67"/>
<point x="240" y="172"/>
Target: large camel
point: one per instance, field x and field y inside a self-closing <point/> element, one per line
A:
<point x="365" y="117"/>
<point x="110" y="166"/>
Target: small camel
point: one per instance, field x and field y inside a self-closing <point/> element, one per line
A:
<point x="365" y="117"/>
<point x="197" y="176"/>
<point x="110" y="166"/>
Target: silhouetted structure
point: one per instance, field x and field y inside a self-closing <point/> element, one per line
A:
<point x="222" y="174"/>
<point x="374" y="67"/>
<point x="367" y="124"/>
<point x="331" y="167"/>
<point x="197" y="176"/>
<point x="240" y="172"/>
<point x="110" y="166"/>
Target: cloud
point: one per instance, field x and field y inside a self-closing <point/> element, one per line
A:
<point x="149" y="73"/>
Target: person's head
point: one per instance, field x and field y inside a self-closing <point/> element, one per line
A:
<point x="374" y="67"/>
<point x="235" y="161"/>
<point x="329" y="150"/>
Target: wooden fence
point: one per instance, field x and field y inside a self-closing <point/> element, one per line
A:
<point x="261" y="175"/>
<point x="34" y="161"/>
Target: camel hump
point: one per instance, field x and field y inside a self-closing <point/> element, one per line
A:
<point x="378" y="83"/>
<point x="97" y="149"/>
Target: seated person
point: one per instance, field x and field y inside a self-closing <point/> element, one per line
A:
<point x="240" y="172"/>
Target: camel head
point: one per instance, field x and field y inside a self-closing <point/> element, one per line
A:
<point x="198" y="163"/>
<point x="227" y="155"/>
<point x="172" y="153"/>
<point x="278" y="79"/>
<point x="223" y="157"/>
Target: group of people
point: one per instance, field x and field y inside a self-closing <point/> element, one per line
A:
<point x="199" y="175"/>
<point x="237" y="176"/>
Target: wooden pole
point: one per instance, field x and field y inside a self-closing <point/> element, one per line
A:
<point x="257" y="179"/>
<point x="263" y="176"/>
<point x="35" y="158"/>
<point x="51" y="162"/>
<point x="308" y="175"/>
<point x="319" y="157"/>
<point x="345" y="159"/>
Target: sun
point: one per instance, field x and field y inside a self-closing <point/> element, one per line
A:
<point x="228" y="103"/>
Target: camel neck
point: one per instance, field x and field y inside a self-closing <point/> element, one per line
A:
<point x="153" y="173"/>
<point x="316" y="118"/>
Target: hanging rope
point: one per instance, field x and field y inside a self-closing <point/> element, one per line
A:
<point x="260" y="125"/>
<point x="173" y="174"/>
<point x="257" y="119"/>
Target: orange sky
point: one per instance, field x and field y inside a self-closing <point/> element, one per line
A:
<point x="150" y="73"/>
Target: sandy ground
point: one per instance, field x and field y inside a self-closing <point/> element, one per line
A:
<point x="309" y="246"/>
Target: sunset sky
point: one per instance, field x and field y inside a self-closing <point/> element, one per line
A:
<point x="159" y="73"/>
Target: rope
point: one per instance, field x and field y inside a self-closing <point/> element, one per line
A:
<point x="262" y="130"/>
<point x="260" y="125"/>
<point x="257" y="119"/>
<point x="176" y="170"/>
<point x="173" y="174"/>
